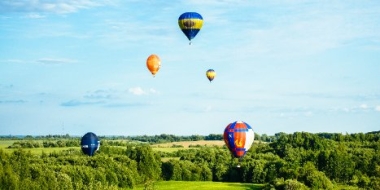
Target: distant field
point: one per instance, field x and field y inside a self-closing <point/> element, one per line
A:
<point x="40" y="150"/>
<point x="163" y="147"/>
<point x="200" y="185"/>
<point x="186" y="144"/>
<point x="4" y="144"/>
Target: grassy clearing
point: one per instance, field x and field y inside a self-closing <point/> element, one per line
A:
<point x="186" y="144"/>
<point x="6" y="143"/>
<point x="49" y="150"/>
<point x="167" y="149"/>
<point x="38" y="151"/>
<point x="165" y="159"/>
<point x="199" y="185"/>
<point x="175" y="146"/>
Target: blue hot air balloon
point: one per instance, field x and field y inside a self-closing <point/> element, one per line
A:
<point x="90" y="143"/>
<point x="190" y="24"/>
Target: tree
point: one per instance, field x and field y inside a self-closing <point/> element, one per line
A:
<point x="148" y="163"/>
<point x="314" y="178"/>
<point x="292" y="184"/>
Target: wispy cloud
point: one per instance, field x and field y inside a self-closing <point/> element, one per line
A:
<point x="12" y="61"/>
<point x="363" y="106"/>
<point x="355" y="97"/>
<point x="12" y="101"/>
<point x="297" y="28"/>
<point x="129" y="30"/>
<point x="73" y="103"/>
<point x="45" y="61"/>
<point x="101" y="94"/>
<point x="35" y="16"/>
<point x="112" y="98"/>
<point x="59" y="6"/>
<point x="6" y="86"/>
<point x="55" y="61"/>
<point x="124" y="105"/>
<point x="139" y="91"/>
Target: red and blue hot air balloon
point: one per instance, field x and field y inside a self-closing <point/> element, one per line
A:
<point x="90" y="143"/>
<point x="238" y="137"/>
<point x="190" y="24"/>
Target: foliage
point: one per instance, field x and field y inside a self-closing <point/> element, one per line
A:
<point x="290" y="161"/>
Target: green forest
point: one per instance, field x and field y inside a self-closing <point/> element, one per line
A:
<point x="300" y="160"/>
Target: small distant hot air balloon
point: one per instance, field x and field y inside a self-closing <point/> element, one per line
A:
<point x="210" y="74"/>
<point x="190" y="24"/>
<point x="238" y="137"/>
<point x="90" y="143"/>
<point x="153" y="63"/>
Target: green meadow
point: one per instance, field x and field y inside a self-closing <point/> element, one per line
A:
<point x="4" y="144"/>
<point x="164" y="147"/>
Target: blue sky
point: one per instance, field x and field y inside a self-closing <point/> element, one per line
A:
<point x="73" y="66"/>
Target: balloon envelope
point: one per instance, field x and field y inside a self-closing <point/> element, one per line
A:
<point x="238" y="137"/>
<point x="210" y="74"/>
<point x="90" y="143"/>
<point x="190" y="24"/>
<point x="153" y="63"/>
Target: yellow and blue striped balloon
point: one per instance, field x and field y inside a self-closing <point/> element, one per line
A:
<point x="190" y="24"/>
<point x="210" y="74"/>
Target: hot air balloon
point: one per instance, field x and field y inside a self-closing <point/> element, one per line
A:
<point x="238" y="137"/>
<point x="190" y="24"/>
<point x="90" y="143"/>
<point x="153" y="63"/>
<point x="210" y="74"/>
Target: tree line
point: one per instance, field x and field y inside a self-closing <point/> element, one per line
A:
<point x="300" y="160"/>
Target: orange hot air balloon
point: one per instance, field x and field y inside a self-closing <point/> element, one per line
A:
<point x="153" y="63"/>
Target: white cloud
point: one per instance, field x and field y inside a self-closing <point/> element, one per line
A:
<point x="377" y="108"/>
<point x="137" y="91"/>
<point x="153" y="91"/>
<point x="364" y="106"/>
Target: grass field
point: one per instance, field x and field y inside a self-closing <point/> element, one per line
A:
<point x="163" y="147"/>
<point x="200" y="185"/>
<point x="4" y="144"/>
<point x="40" y="150"/>
<point x="186" y="144"/>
